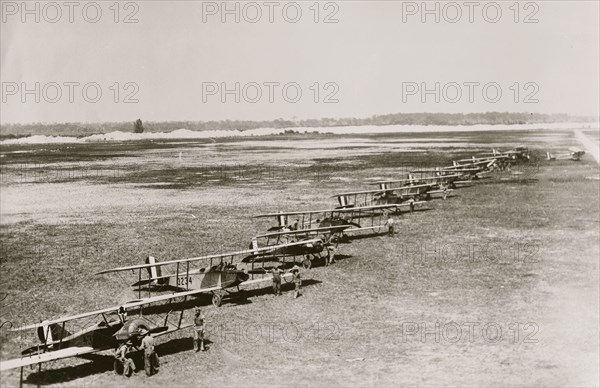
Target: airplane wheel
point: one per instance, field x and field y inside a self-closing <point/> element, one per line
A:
<point x="307" y="263"/>
<point x="217" y="300"/>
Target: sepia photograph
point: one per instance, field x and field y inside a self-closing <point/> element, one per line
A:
<point x="309" y="193"/>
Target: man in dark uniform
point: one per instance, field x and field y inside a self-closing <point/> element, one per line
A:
<point x="297" y="280"/>
<point x="276" y="272"/>
<point x="199" y="322"/>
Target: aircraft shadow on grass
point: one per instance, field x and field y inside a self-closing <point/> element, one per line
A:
<point x="206" y="300"/>
<point x="102" y="363"/>
<point x="524" y="181"/>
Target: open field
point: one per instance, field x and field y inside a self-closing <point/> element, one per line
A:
<point x="512" y="264"/>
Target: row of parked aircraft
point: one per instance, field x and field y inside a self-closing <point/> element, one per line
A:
<point x="309" y="237"/>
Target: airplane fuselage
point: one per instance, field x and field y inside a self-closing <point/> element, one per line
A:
<point x="99" y="336"/>
<point x="202" y="278"/>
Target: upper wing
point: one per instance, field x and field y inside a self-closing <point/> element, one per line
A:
<point x="339" y="210"/>
<point x="264" y="250"/>
<point x="332" y="229"/>
<point x="294" y="213"/>
<point x="361" y="192"/>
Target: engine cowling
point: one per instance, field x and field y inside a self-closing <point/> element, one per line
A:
<point x="131" y="329"/>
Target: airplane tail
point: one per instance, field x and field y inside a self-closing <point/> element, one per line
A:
<point x="282" y="220"/>
<point x="549" y="156"/>
<point x="50" y="333"/>
<point x="154" y="272"/>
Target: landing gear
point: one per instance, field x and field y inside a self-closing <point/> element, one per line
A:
<point x="217" y="299"/>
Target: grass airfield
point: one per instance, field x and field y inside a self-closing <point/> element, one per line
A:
<point x="496" y="286"/>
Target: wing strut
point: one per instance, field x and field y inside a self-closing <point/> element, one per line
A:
<point x="140" y="284"/>
<point x="187" y="276"/>
<point x="182" y="310"/>
<point x="62" y="334"/>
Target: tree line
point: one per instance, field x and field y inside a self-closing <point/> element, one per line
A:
<point x="86" y="129"/>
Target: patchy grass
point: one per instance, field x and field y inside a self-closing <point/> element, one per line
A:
<point x="519" y="256"/>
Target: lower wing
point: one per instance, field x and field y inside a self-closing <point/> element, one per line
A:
<point x="48" y="356"/>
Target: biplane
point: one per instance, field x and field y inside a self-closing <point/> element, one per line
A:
<point x="112" y="328"/>
<point x="357" y="219"/>
<point x="467" y="172"/>
<point x="407" y="195"/>
<point x="484" y="164"/>
<point x="474" y="160"/>
<point x="572" y="154"/>
<point x="458" y="177"/>
<point x="213" y="274"/>
<point x="57" y="342"/>
<point x="517" y="153"/>
<point x="442" y="184"/>
<point x="321" y="238"/>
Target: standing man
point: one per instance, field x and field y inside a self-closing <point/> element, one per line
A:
<point x="151" y="362"/>
<point x="390" y="225"/>
<point x="121" y="358"/>
<point x="199" y="322"/>
<point x="444" y="188"/>
<point x="276" y="272"/>
<point x="331" y="255"/>
<point x="297" y="280"/>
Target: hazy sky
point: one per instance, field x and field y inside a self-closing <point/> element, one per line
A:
<point x="375" y="59"/>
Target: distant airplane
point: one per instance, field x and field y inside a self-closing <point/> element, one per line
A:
<point x="572" y="154"/>
<point x="439" y="181"/>
<point x="517" y="153"/>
